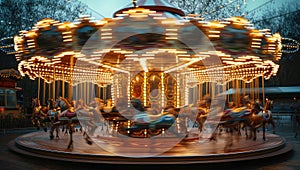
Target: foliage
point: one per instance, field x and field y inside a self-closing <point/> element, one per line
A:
<point x="211" y="9"/>
<point x="16" y="15"/>
<point x="284" y="20"/>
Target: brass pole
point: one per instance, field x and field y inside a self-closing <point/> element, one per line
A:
<point x="234" y="94"/>
<point x="200" y="91"/>
<point x="98" y="91"/>
<point x="263" y="89"/>
<point x="77" y="91"/>
<point x="39" y="84"/>
<point x="257" y="88"/>
<point x="49" y="91"/>
<point x="84" y="92"/>
<point x="228" y="88"/>
<point x="213" y="90"/>
<point x="253" y="90"/>
<point x="244" y="88"/>
<point x="70" y="87"/>
<point x="104" y="93"/>
<point x="206" y="87"/>
<point x="194" y="94"/>
<point x="44" y="91"/>
<point x="63" y="88"/>
<point x="53" y="85"/>
<point x="237" y="92"/>
<point x="58" y="88"/>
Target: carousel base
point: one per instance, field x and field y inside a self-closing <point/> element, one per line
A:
<point x="190" y="151"/>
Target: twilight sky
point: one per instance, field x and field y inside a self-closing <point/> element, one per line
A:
<point x="106" y="8"/>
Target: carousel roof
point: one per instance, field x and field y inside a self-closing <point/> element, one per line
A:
<point x="160" y="6"/>
<point x="10" y="73"/>
<point x="144" y="39"/>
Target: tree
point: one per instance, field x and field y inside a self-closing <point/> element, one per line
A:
<point x="284" y="20"/>
<point x="17" y="15"/>
<point x="211" y="9"/>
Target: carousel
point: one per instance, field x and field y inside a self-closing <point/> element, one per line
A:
<point x="150" y="85"/>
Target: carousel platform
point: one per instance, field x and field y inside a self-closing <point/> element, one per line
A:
<point x="191" y="150"/>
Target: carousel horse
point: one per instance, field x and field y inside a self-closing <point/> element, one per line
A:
<point x="51" y="103"/>
<point x="135" y="119"/>
<point x="233" y="118"/>
<point x="61" y="113"/>
<point x="64" y="106"/>
<point x="89" y="115"/>
<point x="261" y="118"/>
<point x="201" y="117"/>
<point x="154" y="124"/>
<point x="35" y="102"/>
<point x="63" y="103"/>
<point x="118" y="114"/>
<point x="203" y="110"/>
<point x="39" y="116"/>
<point x="53" y="115"/>
<point x="68" y="118"/>
<point x="95" y="107"/>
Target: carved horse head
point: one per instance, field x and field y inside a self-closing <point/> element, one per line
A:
<point x="35" y="102"/>
<point x="50" y="103"/>
<point x="63" y="103"/>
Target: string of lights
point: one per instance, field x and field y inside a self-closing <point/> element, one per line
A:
<point x="7" y="46"/>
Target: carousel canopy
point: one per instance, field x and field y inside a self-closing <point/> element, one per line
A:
<point x="145" y="39"/>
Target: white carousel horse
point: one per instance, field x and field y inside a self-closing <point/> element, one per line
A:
<point x="261" y="118"/>
<point x="68" y="118"/>
<point x="63" y="103"/>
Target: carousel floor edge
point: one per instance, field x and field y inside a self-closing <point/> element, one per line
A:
<point x="277" y="150"/>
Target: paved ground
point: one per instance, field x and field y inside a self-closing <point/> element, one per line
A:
<point x="12" y="161"/>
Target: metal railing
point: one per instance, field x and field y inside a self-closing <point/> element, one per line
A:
<point x="11" y="121"/>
